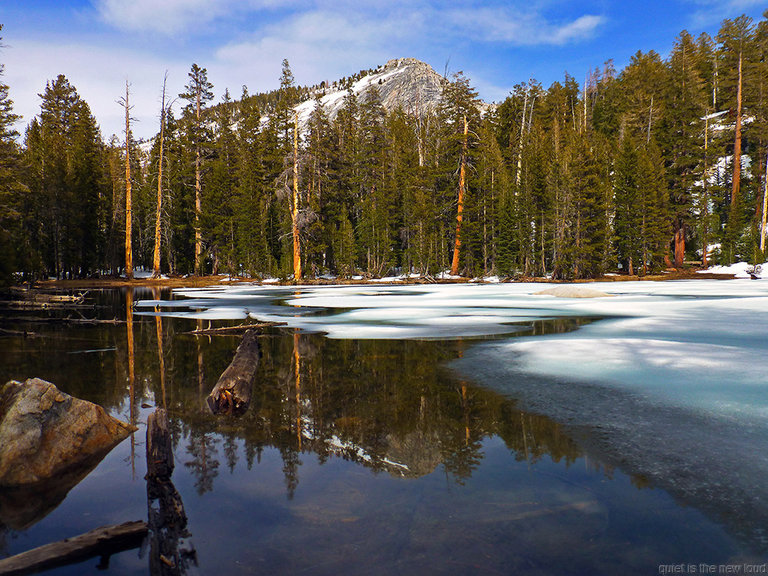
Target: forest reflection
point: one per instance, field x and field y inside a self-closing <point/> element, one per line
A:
<point x="388" y="405"/>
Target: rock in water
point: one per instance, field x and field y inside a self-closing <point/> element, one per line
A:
<point x="45" y="432"/>
<point x="571" y="291"/>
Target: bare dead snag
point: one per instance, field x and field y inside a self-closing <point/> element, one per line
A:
<point x="232" y="393"/>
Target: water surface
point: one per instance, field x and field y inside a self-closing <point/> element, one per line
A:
<point x="356" y="455"/>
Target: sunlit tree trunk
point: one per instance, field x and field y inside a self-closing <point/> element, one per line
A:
<point x="765" y="207"/>
<point x="680" y="246"/>
<point x="198" y="195"/>
<point x="128" y="199"/>
<point x="159" y="211"/>
<point x="295" y="201"/>
<point x="705" y="201"/>
<point x="737" y="144"/>
<point x="460" y="208"/>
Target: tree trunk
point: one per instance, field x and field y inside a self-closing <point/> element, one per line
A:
<point x="159" y="447"/>
<point x="295" y="201"/>
<point x="158" y="214"/>
<point x="232" y="393"/>
<point x="737" y="145"/>
<point x="128" y="208"/>
<point x="679" y="246"/>
<point x="198" y="193"/>
<point x="705" y="207"/>
<point x="460" y="208"/>
<point x="520" y="144"/>
<point x="765" y="206"/>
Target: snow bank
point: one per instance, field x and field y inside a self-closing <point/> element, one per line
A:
<point x="740" y="270"/>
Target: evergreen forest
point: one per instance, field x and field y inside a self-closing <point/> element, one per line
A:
<point x="661" y="164"/>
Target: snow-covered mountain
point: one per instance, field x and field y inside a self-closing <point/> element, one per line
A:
<point x="408" y="83"/>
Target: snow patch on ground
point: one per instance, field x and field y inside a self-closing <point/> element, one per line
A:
<point x="739" y="269"/>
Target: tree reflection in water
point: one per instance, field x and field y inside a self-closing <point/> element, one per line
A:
<point x="387" y="405"/>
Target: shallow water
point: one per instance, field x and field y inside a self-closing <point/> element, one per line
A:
<point x="372" y="456"/>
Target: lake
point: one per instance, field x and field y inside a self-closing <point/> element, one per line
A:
<point x="439" y="430"/>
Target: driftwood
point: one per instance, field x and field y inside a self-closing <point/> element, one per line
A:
<point x="46" y="298"/>
<point x="103" y="541"/>
<point x="159" y="446"/>
<point x="233" y="330"/>
<point x="232" y="393"/>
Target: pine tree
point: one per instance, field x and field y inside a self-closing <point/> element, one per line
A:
<point x="64" y="153"/>
<point x="13" y="251"/>
<point x="680" y="136"/>
<point x="458" y="110"/>
<point x="219" y="220"/>
<point x="589" y="224"/>
<point x="736" y="56"/>
<point x="198" y="94"/>
<point x="627" y="221"/>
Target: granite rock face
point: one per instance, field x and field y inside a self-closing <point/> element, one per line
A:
<point x="405" y="83"/>
<point x="45" y="432"/>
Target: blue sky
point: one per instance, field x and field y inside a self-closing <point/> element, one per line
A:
<point x="99" y="44"/>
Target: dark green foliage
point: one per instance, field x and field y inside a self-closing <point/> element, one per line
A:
<point x="569" y="181"/>
<point x="64" y="155"/>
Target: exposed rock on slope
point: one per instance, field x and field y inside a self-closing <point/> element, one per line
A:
<point x="404" y="82"/>
<point x="44" y="432"/>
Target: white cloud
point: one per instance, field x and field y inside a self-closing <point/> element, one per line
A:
<point x="173" y="16"/>
<point x="322" y="39"/>
<point x="319" y="45"/>
<point x="522" y="28"/>
<point x="98" y="73"/>
<point x="714" y="11"/>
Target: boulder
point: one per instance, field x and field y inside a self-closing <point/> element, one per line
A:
<point x="571" y="291"/>
<point x="45" y="432"/>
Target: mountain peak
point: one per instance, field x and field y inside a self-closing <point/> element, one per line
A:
<point x="405" y="83"/>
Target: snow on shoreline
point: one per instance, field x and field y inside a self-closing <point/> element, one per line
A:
<point x="739" y="270"/>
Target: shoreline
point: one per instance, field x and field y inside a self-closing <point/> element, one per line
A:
<point x="203" y="281"/>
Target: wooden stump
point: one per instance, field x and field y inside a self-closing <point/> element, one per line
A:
<point x="159" y="446"/>
<point x="232" y="393"/>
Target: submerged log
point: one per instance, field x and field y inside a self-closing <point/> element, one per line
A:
<point x="232" y="393"/>
<point x="159" y="446"/>
<point x="45" y="432"/>
<point x="103" y="541"/>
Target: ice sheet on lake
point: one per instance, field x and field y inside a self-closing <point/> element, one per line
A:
<point x="671" y="383"/>
<point x="676" y="341"/>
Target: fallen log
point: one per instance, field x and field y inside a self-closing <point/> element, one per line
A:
<point x="232" y="393"/>
<point x="233" y="330"/>
<point x="103" y="541"/>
